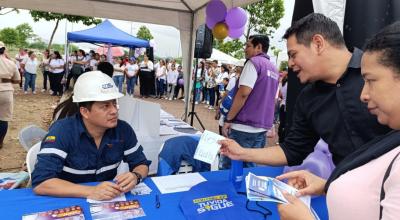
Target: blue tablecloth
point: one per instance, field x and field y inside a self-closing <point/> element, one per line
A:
<point x="15" y="203"/>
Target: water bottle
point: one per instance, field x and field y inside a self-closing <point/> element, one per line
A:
<point x="236" y="173"/>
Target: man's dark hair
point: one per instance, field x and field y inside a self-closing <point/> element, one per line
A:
<point x="387" y="42"/>
<point x="312" y="24"/>
<point x="260" y="39"/>
<point x="87" y="105"/>
<point x="215" y="61"/>
<point x="106" y="68"/>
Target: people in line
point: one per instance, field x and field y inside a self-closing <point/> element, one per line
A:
<point x="318" y="55"/>
<point x="93" y="148"/>
<point x="366" y="184"/>
<point x="9" y="75"/>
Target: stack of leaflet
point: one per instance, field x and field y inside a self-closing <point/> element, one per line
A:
<point x="67" y="213"/>
<point x="262" y="188"/>
<point x="120" y="210"/>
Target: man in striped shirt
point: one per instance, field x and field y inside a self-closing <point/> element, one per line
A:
<point x="89" y="146"/>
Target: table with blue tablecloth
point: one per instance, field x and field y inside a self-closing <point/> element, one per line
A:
<point x="15" y="203"/>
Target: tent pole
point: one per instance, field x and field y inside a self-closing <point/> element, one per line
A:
<point x="189" y="68"/>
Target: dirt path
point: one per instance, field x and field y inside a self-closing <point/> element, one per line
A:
<point x="28" y="109"/>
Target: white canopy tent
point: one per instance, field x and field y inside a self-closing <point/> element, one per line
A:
<point x="223" y="57"/>
<point x="185" y="15"/>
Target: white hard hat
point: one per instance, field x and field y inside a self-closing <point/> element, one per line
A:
<point x="95" y="86"/>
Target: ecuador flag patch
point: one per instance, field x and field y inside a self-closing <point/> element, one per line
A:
<point x="50" y="139"/>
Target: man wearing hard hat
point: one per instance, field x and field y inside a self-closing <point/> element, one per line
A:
<point x="89" y="146"/>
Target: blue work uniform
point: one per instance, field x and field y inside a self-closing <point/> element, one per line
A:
<point x="69" y="152"/>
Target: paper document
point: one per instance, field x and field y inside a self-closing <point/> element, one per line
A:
<point x="208" y="147"/>
<point x="177" y="183"/>
<point x="141" y="189"/>
<point x="263" y="188"/>
<point x="116" y="199"/>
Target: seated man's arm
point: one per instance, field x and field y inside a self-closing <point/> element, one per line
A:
<point x="62" y="188"/>
<point x="137" y="161"/>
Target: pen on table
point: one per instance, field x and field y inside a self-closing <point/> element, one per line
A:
<point x="158" y="201"/>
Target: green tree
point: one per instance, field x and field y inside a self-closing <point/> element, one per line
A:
<point x="25" y="32"/>
<point x="233" y="48"/>
<point x="9" y="36"/>
<point x="283" y="65"/>
<point x="144" y="33"/>
<point x="50" y="16"/>
<point x="264" y="16"/>
<point x="37" y="44"/>
<point x="276" y="52"/>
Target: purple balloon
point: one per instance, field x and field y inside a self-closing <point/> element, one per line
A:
<point x="216" y="11"/>
<point x="181" y="82"/>
<point x="236" y="18"/>
<point x="210" y="23"/>
<point x="236" y="33"/>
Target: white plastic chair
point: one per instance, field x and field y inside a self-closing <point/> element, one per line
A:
<point x="31" y="135"/>
<point x="31" y="158"/>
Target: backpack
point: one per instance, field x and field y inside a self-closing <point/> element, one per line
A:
<point x="76" y="68"/>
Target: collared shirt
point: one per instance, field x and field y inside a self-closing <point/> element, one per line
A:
<point x="335" y="113"/>
<point x="8" y="70"/>
<point x="68" y="152"/>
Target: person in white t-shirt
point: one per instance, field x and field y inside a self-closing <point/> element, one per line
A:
<point x="30" y="65"/>
<point x="118" y="75"/>
<point x="132" y="70"/>
<point x="161" y="76"/>
<point x="94" y="61"/>
<point x="56" y="67"/>
<point x="172" y="78"/>
<point x="21" y="56"/>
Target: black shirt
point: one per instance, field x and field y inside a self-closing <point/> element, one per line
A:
<point x="335" y="113"/>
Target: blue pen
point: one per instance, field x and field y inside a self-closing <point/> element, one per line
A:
<point x="158" y="201"/>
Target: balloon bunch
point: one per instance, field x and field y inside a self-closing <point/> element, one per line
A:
<point x="223" y="23"/>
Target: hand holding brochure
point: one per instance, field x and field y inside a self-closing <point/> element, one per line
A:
<point x="262" y="188"/>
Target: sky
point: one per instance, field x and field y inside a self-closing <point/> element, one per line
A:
<point x="161" y="33"/>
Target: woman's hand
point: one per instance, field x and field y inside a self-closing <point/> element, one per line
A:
<point x="306" y="182"/>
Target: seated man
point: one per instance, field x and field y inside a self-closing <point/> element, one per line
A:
<point x="89" y="146"/>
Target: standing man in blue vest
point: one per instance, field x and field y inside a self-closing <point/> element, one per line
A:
<point x="252" y="111"/>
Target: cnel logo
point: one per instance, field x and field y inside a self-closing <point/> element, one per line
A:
<point x="107" y="86"/>
<point x="212" y="203"/>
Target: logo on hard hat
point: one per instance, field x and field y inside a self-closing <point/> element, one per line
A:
<point x="107" y="86"/>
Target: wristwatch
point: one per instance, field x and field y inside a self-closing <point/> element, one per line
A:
<point x="138" y="177"/>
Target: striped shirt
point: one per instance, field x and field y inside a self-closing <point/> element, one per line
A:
<point x="68" y="152"/>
